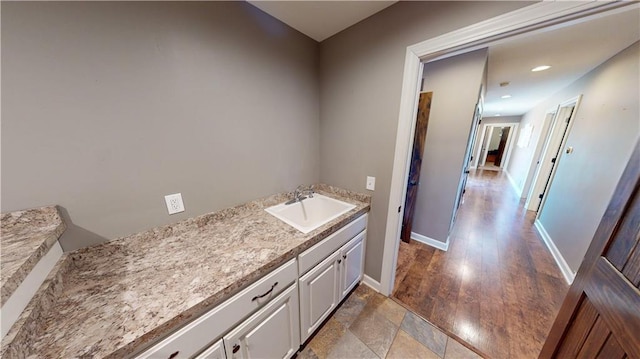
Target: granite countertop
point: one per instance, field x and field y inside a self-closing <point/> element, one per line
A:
<point x="26" y="236"/>
<point x="119" y="297"/>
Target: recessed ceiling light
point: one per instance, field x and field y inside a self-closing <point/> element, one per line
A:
<point x="540" y="68"/>
<point x="497" y="114"/>
<point x="506" y="96"/>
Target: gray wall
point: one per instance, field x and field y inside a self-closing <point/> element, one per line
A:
<point x="109" y="106"/>
<point x="606" y="128"/>
<point x="455" y="83"/>
<point x="360" y="82"/>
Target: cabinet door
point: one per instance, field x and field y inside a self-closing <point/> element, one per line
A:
<point x="319" y="294"/>
<point x="352" y="255"/>
<point x="216" y="351"/>
<point x="272" y="332"/>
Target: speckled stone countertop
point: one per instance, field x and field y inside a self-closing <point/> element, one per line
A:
<point x="25" y="237"/>
<point x="120" y="296"/>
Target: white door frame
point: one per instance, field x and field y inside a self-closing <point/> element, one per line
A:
<point x="545" y="134"/>
<point x="538" y="17"/>
<point x="508" y="147"/>
<point x="575" y="101"/>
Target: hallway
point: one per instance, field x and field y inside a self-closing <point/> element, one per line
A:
<point x="497" y="288"/>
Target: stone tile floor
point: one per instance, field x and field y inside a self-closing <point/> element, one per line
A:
<point x="370" y="325"/>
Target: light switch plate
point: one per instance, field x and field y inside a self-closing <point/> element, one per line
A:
<point x="371" y="183"/>
<point x="174" y="203"/>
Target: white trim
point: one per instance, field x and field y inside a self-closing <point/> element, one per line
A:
<point x="537" y="17"/>
<point x="21" y="297"/>
<point x="480" y="141"/>
<point x="542" y="141"/>
<point x="511" y="141"/>
<point x="513" y="183"/>
<point x="371" y="283"/>
<point x="443" y="246"/>
<point x="575" y="101"/>
<point x="514" y="127"/>
<point x="568" y="274"/>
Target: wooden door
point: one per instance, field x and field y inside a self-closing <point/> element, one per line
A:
<point x="502" y="146"/>
<point x="420" y="134"/>
<point x="600" y="317"/>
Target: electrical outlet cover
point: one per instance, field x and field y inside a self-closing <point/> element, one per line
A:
<point x="371" y="183"/>
<point x="174" y="203"/>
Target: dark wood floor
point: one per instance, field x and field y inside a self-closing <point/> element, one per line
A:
<point x="497" y="287"/>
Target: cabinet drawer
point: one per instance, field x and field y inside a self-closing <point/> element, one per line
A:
<point x="312" y="256"/>
<point x="196" y="335"/>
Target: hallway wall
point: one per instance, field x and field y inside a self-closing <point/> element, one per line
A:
<point x="455" y="83"/>
<point x="360" y="85"/>
<point x="604" y="131"/>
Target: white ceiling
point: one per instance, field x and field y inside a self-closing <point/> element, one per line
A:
<point x="320" y="19"/>
<point x="571" y="51"/>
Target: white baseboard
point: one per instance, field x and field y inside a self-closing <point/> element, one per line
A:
<point x="371" y="283"/>
<point x="513" y="183"/>
<point x="568" y="274"/>
<point x="430" y="241"/>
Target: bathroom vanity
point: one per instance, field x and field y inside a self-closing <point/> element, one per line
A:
<point x="228" y="284"/>
<point x="282" y="309"/>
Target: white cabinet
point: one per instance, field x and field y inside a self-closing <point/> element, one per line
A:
<point x="319" y="294"/>
<point x="272" y="332"/>
<point x="326" y="284"/>
<point x="212" y="325"/>
<point x="216" y="351"/>
<point x="271" y="317"/>
<point x="352" y="264"/>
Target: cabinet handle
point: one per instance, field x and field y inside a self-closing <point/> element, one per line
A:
<point x="236" y="347"/>
<point x="265" y="294"/>
<point x="174" y="355"/>
<point x="339" y="261"/>
<point x="344" y="256"/>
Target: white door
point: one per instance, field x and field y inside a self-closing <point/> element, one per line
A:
<point x="272" y="332"/>
<point x="352" y="264"/>
<point x="216" y="351"/>
<point x="552" y="153"/>
<point x="319" y="294"/>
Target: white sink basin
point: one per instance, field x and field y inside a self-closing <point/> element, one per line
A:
<point x="310" y="213"/>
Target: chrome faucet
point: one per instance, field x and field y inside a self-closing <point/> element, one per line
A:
<point x="301" y="193"/>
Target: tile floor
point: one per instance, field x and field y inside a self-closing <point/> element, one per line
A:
<point x="370" y="325"/>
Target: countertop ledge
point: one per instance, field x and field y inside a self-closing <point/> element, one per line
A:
<point x="120" y="297"/>
<point x="26" y="236"/>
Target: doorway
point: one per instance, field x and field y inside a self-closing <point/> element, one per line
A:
<point x="551" y="154"/>
<point x="536" y="18"/>
<point x="422" y="122"/>
<point x="497" y="140"/>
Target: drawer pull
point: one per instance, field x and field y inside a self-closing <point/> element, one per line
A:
<point x="344" y="256"/>
<point x="236" y="347"/>
<point x="265" y="294"/>
<point x="174" y="355"/>
<point x="339" y="261"/>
